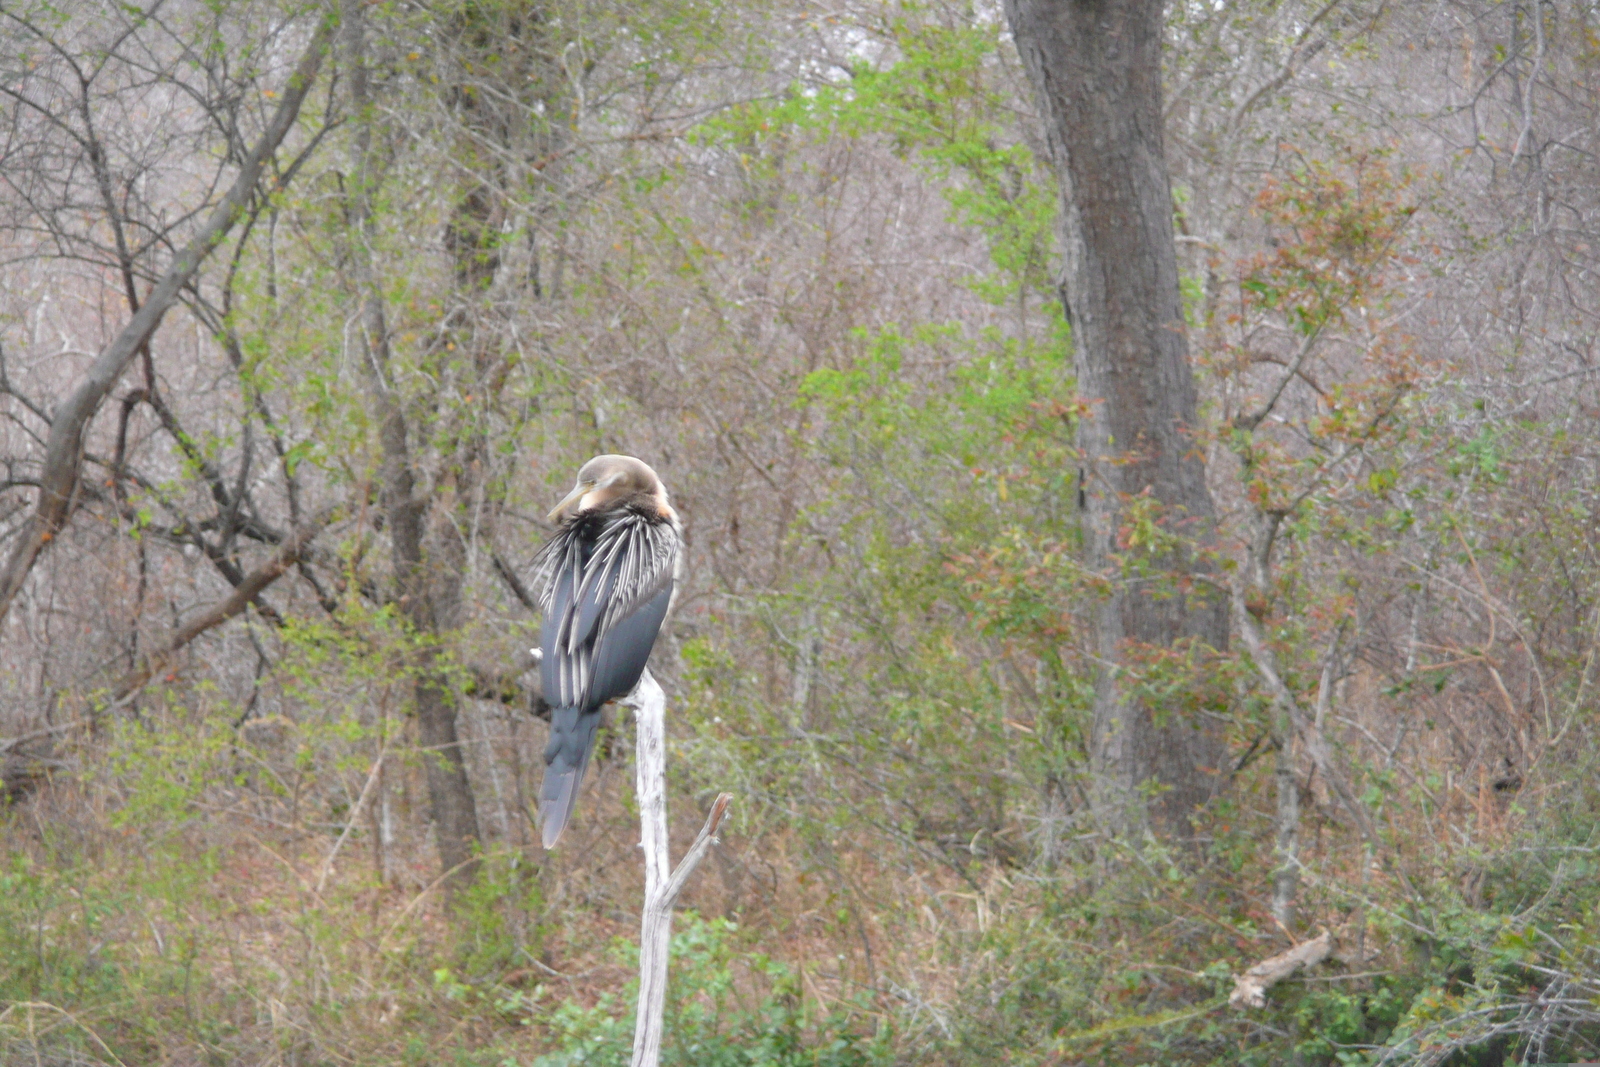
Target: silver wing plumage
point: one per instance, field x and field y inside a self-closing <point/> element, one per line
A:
<point x="599" y="572"/>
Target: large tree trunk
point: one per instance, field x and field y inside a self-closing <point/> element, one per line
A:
<point x="1095" y="66"/>
<point x="427" y="563"/>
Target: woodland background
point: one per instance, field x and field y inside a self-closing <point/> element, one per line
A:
<point x="268" y="735"/>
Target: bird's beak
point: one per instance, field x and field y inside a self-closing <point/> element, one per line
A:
<point x="570" y="500"/>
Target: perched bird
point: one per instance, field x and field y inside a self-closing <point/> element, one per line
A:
<point x="608" y="574"/>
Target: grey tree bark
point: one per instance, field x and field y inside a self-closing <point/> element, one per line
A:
<point x="1095" y="67"/>
<point x="427" y="569"/>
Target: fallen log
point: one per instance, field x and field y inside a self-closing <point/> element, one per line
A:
<point x="1250" y="988"/>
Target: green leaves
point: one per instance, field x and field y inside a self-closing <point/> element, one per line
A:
<point x="728" y="1006"/>
<point x="937" y="101"/>
<point x="1483" y="455"/>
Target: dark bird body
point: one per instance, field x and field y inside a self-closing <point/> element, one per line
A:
<point x="608" y="578"/>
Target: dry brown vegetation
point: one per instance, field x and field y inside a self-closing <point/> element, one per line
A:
<point x="803" y="260"/>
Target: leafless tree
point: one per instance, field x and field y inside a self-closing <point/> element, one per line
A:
<point x="107" y="110"/>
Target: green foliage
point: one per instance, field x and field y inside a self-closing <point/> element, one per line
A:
<point x="499" y="914"/>
<point x="953" y="507"/>
<point x="935" y="99"/>
<point x="713" y="1017"/>
<point x="901" y="700"/>
<point x="113" y="944"/>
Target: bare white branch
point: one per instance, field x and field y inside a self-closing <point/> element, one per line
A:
<point x="662" y="883"/>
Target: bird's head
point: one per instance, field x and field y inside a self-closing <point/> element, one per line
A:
<point x="605" y="481"/>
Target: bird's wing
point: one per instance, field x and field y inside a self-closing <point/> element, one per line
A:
<point x="632" y="561"/>
<point x="564" y="550"/>
<point x="622" y="650"/>
<point x="563" y="675"/>
<point x="603" y="608"/>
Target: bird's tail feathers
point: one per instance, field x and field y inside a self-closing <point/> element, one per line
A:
<point x="572" y="733"/>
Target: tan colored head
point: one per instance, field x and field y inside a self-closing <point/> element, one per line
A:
<point x="607" y="480"/>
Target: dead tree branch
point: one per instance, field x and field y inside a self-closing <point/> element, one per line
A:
<point x="662" y="883"/>
<point x="1250" y="988"/>
<point x="64" y="450"/>
<point x="1267" y="663"/>
<point x="251" y="587"/>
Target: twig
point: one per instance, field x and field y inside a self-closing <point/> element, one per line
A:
<point x="253" y="585"/>
<point x="697" y="851"/>
<point x="406" y="911"/>
<point x="35" y="1005"/>
<point x="1250" y="422"/>
<point x="355" y="814"/>
<point x="508" y="575"/>
<point x="1267" y="664"/>
<point x="9" y="743"/>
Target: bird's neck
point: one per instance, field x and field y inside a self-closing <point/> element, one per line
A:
<point x="650" y="506"/>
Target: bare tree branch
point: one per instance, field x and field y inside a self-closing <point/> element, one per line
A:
<point x="662" y="883"/>
<point x="509" y="575"/>
<point x="64" y="453"/>
<point x="1282" y="695"/>
<point x="251" y="587"/>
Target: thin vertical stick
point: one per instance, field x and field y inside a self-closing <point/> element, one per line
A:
<point x="662" y="884"/>
<point x="655" y="925"/>
<point x="1286" y="879"/>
